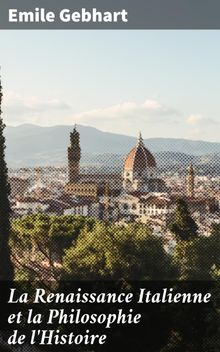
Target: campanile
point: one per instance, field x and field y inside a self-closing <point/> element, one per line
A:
<point x="74" y="155"/>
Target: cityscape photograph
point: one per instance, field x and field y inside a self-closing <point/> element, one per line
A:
<point x="110" y="167"/>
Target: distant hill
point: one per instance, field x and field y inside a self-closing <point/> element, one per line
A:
<point x="29" y="145"/>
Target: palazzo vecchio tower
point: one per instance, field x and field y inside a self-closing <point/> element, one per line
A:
<point x="74" y="155"/>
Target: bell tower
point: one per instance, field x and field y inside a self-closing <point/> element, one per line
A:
<point x="190" y="181"/>
<point x="74" y="155"/>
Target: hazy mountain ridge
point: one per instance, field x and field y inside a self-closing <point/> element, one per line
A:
<point x="29" y="145"/>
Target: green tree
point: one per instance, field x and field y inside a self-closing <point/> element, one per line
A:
<point x="113" y="252"/>
<point x="38" y="241"/>
<point x="6" y="267"/>
<point x="199" y="258"/>
<point x="184" y="227"/>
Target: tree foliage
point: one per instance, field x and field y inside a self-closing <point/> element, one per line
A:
<point x="199" y="258"/>
<point x="113" y="252"/>
<point x="39" y="240"/>
<point x="6" y="267"/>
<point x="184" y="227"/>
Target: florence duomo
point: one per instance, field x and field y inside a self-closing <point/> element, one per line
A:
<point x="139" y="193"/>
<point x="140" y="170"/>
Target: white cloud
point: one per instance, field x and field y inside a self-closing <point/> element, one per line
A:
<point x="194" y="119"/>
<point x="19" y="109"/>
<point x="199" y="119"/>
<point x="151" y="116"/>
<point x="15" y="104"/>
<point x="150" y="110"/>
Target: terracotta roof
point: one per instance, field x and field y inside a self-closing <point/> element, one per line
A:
<point x="139" y="158"/>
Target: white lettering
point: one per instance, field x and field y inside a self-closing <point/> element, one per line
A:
<point x="12" y="15"/>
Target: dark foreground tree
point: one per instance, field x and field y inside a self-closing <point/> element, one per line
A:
<point x="184" y="227"/>
<point x="6" y="267"/>
<point x="115" y="253"/>
<point x="199" y="258"/>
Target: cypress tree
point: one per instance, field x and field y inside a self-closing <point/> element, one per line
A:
<point x="183" y="226"/>
<point x="6" y="267"/>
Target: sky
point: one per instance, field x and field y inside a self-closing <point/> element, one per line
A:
<point x="163" y="83"/>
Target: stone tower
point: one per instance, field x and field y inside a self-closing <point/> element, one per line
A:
<point x="74" y="155"/>
<point x="190" y="181"/>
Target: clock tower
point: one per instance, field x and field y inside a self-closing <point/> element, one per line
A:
<point x="74" y="155"/>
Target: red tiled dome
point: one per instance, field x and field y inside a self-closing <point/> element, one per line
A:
<point x="139" y="158"/>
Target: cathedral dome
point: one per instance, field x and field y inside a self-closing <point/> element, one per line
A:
<point x="140" y="158"/>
